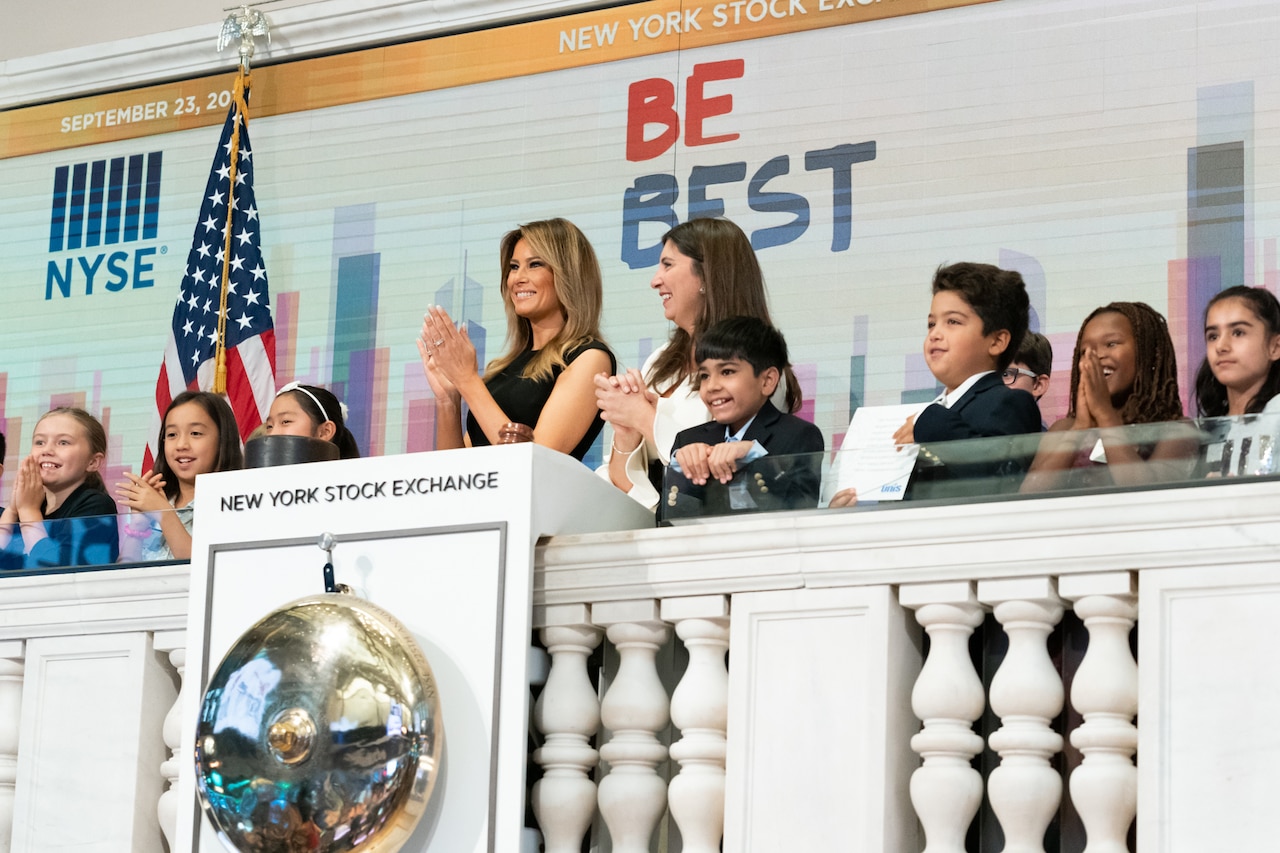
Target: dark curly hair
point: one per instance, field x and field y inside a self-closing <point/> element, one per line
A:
<point x="1154" y="395"/>
<point x="998" y="297"/>
<point x="1211" y="395"/>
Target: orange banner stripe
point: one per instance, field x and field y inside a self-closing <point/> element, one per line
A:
<point x="573" y="41"/>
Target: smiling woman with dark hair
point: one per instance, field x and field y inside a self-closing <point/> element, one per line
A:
<point x="707" y="272"/>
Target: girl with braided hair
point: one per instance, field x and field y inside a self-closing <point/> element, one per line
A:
<point x="1124" y="372"/>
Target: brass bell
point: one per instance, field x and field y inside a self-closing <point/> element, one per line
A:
<point x="319" y="731"/>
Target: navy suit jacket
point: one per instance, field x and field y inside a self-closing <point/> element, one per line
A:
<point x="774" y="482"/>
<point x="989" y="408"/>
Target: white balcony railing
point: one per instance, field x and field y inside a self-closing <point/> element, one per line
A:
<point x="831" y="728"/>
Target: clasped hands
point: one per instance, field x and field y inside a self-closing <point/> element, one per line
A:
<point x="28" y="488"/>
<point x="1093" y="400"/>
<point x="628" y="405"/>
<point x="448" y="355"/>
<point x="143" y="493"/>
<point x="701" y="462"/>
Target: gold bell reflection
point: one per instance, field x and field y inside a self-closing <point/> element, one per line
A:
<point x="319" y="731"/>
<point x="290" y="735"/>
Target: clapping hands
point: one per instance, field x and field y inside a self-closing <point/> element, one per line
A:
<point x="448" y="356"/>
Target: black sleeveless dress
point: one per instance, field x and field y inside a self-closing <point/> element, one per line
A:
<point x="523" y="399"/>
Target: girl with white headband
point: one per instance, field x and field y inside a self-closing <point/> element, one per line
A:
<point x="311" y="411"/>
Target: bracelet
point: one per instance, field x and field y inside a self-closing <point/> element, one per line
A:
<point x="617" y="449"/>
<point x="138" y="532"/>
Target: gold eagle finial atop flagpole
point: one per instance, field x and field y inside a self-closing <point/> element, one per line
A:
<point x="246" y="25"/>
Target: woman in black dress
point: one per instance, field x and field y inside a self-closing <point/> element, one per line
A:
<point x="552" y="293"/>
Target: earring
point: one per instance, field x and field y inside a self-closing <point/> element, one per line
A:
<point x="702" y="290"/>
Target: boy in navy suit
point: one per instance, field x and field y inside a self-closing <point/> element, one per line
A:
<point x="976" y="321"/>
<point x="737" y="461"/>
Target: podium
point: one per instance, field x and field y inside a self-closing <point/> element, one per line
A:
<point x="445" y="542"/>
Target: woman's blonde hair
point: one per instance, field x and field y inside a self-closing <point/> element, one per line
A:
<point x="576" y="275"/>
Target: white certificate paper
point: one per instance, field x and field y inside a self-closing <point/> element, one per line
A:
<point x="869" y="461"/>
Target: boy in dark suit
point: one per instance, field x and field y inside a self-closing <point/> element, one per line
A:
<point x="976" y="320"/>
<point x="737" y="462"/>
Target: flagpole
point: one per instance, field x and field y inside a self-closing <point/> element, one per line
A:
<point x="244" y="25"/>
<point x="242" y="118"/>
<point x="232" y="352"/>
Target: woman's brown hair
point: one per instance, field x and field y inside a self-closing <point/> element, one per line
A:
<point x="732" y="286"/>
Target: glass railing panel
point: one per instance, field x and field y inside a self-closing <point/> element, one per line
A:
<point x="1241" y="447"/>
<point x="87" y="542"/>
<point x="1178" y="454"/>
<point x="770" y="484"/>
<point x="1158" y="455"/>
<point x="1172" y="454"/>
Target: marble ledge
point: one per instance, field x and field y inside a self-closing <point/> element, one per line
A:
<point x="151" y="598"/>
<point x="1085" y="535"/>
<point x="1081" y="534"/>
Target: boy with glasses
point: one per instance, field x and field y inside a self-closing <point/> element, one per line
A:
<point x="1031" y="366"/>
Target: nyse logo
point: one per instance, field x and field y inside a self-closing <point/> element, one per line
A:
<point x="105" y="203"/>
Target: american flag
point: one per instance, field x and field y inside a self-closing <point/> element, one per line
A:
<point x="250" y="335"/>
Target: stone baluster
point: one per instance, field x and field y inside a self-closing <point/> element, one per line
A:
<point x="538" y="668"/>
<point x="1104" y="787"/>
<point x="948" y="697"/>
<point x="568" y="714"/>
<point x="11" y="657"/>
<point x="700" y="709"/>
<point x="633" y="796"/>
<point x="1026" y="693"/>
<point x="174" y="643"/>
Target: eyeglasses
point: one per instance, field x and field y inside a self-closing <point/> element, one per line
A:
<point x="1010" y="375"/>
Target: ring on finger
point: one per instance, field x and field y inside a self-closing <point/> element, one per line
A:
<point x="438" y="342"/>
